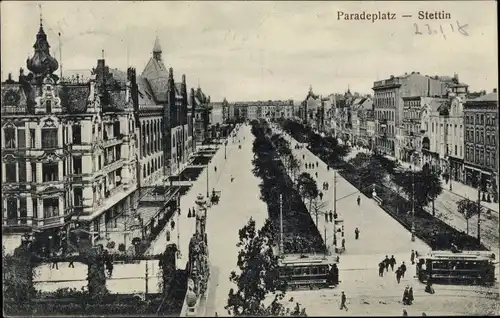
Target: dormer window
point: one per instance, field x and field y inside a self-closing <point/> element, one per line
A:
<point x="48" y="107"/>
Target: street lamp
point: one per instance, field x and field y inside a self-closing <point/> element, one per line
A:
<point x="412" y="205"/>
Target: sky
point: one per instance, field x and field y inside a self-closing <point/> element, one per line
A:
<point x="261" y="50"/>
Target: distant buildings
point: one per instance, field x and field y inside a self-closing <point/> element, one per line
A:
<point x="261" y="109"/>
<point x="481" y="142"/>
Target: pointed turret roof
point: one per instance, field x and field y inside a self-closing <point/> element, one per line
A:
<point x="157" y="46"/>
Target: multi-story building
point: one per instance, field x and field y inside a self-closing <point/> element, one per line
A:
<point x="164" y="119"/>
<point x="361" y="109"/>
<point x="481" y="142"/>
<point x="262" y="109"/>
<point x="68" y="147"/>
<point x="201" y="104"/>
<point x="437" y="123"/>
<point x="388" y="105"/>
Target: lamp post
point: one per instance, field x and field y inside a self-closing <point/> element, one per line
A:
<point x="412" y="205"/>
<point x="208" y="194"/>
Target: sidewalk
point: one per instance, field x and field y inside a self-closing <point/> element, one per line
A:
<point x="185" y="227"/>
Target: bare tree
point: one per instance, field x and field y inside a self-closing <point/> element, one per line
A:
<point x="317" y="208"/>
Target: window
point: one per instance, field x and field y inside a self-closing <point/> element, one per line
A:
<point x="482" y="119"/>
<point x="77" y="134"/>
<point x="99" y="162"/>
<point x="12" y="209"/>
<point x="432" y="127"/>
<point x="23" y="210"/>
<point x="77" y="197"/>
<point x="50" y="172"/>
<point x="32" y="138"/>
<point x="33" y="171"/>
<point x="50" y="207"/>
<point x="22" y="171"/>
<point x="21" y="138"/>
<point x="456" y="148"/>
<point x="48" y="106"/>
<point x="487" y="158"/>
<point x="35" y="208"/>
<point x="10" y="137"/>
<point x="49" y="138"/>
<point x="10" y="172"/>
<point x="482" y="137"/>
<point x="77" y="165"/>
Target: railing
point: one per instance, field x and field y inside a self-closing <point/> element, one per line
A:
<point x="14" y="110"/>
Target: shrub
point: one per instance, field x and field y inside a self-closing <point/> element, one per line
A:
<point x="111" y="245"/>
<point x="121" y="247"/>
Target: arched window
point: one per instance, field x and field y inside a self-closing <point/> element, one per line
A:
<point x="144" y="171"/>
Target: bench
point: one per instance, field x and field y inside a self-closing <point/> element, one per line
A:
<point x="377" y="199"/>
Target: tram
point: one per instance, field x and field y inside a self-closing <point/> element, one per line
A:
<point x="309" y="271"/>
<point x="476" y="267"/>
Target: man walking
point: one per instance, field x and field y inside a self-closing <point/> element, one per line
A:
<point x="398" y="275"/>
<point x="412" y="257"/>
<point x="386" y="263"/>
<point x="343" y="302"/>
<point x="403" y="269"/>
<point x="392" y="262"/>
<point x="359" y="200"/>
<point x="381" y="269"/>
<point x="356" y="233"/>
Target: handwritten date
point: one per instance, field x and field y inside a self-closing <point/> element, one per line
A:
<point x="442" y="29"/>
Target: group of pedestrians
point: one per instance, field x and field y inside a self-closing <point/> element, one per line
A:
<point x="385" y="263"/>
<point x="325" y="186"/>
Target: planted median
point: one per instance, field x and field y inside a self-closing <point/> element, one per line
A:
<point x="300" y="233"/>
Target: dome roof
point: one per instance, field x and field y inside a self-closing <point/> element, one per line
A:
<point x="41" y="62"/>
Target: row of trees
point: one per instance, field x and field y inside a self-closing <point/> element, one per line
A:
<point x="300" y="233"/>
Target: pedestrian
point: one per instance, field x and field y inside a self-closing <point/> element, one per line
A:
<point x="326" y="217"/>
<point x="428" y="287"/>
<point x="317" y="164"/>
<point x="386" y="263"/>
<point x="343" y="302"/>
<point x="398" y="275"/>
<point x="215" y="169"/>
<point x="316" y="174"/>
<point x="343" y="244"/>
<point x="321" y="195"/>
<point x="335" y="270"/>
<point x="405" y="314"/>
<point x="392" y="262"/>
<point x="412" y="257"/>
<point x="381" y="269"/>
<point x="232" y="179"/>
<point x="403" y="269"/>
<point x="71" y="264"/>
<point x="405" y="296"/>
<point x="356" y="233"/>
<point x="410" y="296"/>
<point x="55" y="263"/>
<point x="359" y="200"/>
<point x="335" y="215"/>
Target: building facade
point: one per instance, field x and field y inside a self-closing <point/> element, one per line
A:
<point x="68" y="147"/>
<point x="481" y="142"/>
<point x="388" y="106"/>
<point x="261" y="109"/>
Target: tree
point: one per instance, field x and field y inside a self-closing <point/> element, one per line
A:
<point x="421" y="186"/>
<point x="294" y="165"/>
<point x="318" y="208"/>
<point x="307" y="187"/>
<point x="258" y="277"/>
<point x="468" y="209"/>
